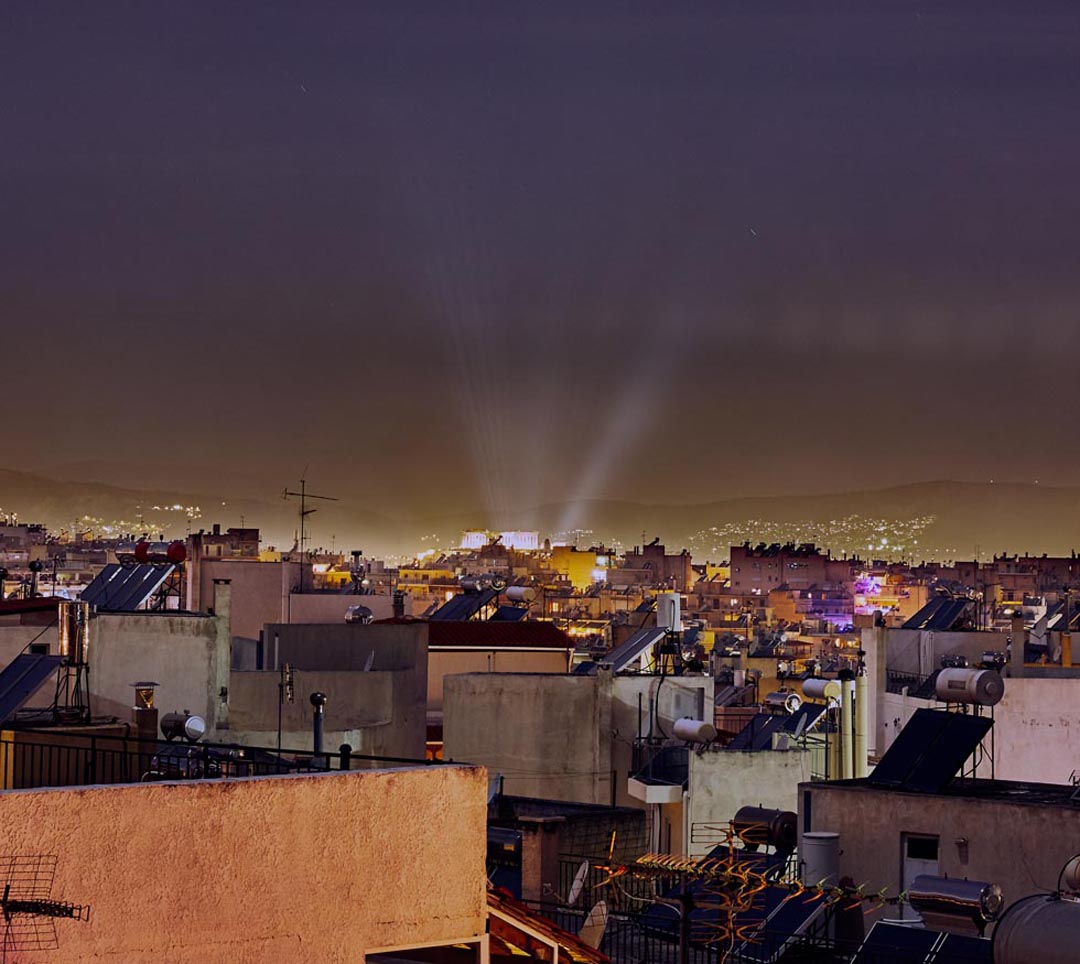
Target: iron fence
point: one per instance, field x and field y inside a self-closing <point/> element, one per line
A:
<point x="629" y="939"/>
<point x="64" y="758"/>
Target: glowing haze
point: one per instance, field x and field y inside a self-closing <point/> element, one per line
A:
<point x="490" y="256"/>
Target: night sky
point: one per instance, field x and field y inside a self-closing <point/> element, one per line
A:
<point x="455" y="255"/>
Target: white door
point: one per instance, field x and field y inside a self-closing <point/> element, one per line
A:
<point x="919" y="855"/>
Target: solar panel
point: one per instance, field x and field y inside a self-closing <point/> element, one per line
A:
<point x="99" y="583"/>
<point x="930" y="750"/>
<point x="509" y="614"/>
<point x="808" y="715"/>
<point x="961" y="949"/>
<point x="901" y="942"/>
<point x="463" y="606"/>
<point x="621" y="656"/>
<point x="786" y="923"/>
<point x="924" y="615"/>
<point x="758" y="733"/>
<point x="20" y="680"/>
<point x="124" y="589"/>
<point x="957" y="742"/>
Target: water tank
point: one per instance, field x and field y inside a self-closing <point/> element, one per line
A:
<point x="359" y="614"/>
<point x="157" y="553"/>
<point x="953" y="905"/>
<point x="761" y="826"/>
<point x="669" y="611"/>
<point x="177" y="726"/>
<point x="821" y="689"/>
<point x="983" y="687"/>
<point x="819" y="852"/>
<point x="74" y="630"/>
<point x="521" y="594"/>
<point x="786" y="700"/>
<point x="694" y="731"/>
<point x="1038" y="929"/>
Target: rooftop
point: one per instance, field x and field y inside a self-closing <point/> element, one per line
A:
<point x="1002" y="791"/>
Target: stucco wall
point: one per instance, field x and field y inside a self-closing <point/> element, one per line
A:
<point x="181" y="653"/>
<point x="548" y="735"/>
<point x="670" y="697"/>
<point x="261" y="590"/>
<point x="1036" y="728"/>
<point x="722" y="782"/>
<point x="443" y="663"/>
<point x="1020" y="847"/>
<point x="307" y="868"/>
<point x="376" y="713"/>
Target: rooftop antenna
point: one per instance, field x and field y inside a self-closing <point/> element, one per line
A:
<point x="28" y="912"/>
<point x="303" y="495"/>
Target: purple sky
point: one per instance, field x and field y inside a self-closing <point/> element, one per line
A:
<point x="499" y="254"/>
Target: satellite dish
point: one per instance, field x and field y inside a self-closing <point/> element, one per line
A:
<point x="494" y="780"/>
<point x="800" y="725"/>
<point x="592" y="931"/>
<point x="369" y="661"/>
<point x="578" y="884"/>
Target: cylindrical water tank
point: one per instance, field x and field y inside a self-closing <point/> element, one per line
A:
<point x="1038" y="929"/>
<point x="955" y="905"/>
<point x="694" y="731"/>
<point x="182" y="726"/>
<point x="158" y="553"/>
<point x="521" y="594"/>
<point x="762" y="826"/>
<point x="74" y="630"/>
<point x="821" y="689"/>
<point x="668" y="611"/>
<point x="819" y="852"/>
<point x="983" y="687"/>
<point x="784" y="700"/>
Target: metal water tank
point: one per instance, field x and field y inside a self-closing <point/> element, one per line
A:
<point x="521" y="594"/>
<point x="184" y="726"/>
<point x="693" y="731"/>
<point x="1038" y="929"/>
<point x="762" y="826"/>
<point x="954" y="905"/>
<point x="821" y="689"/>
<point x="981" y="687"/>
<point x="785" y="700"/>
<point x="819" y="851"/>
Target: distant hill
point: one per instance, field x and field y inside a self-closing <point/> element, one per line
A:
<point x="59" y="503"/>
<point x="948" y="519"/>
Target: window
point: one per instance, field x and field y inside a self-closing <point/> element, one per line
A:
<point x="922" y="848"/>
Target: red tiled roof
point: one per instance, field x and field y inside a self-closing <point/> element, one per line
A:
<point x="502" y="901"/>
<point x="37" y="604"/>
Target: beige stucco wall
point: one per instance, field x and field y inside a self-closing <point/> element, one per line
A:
<point x="1021" y="847"/>
<point x="1036" y="733"/>
<point x="187" y="655"/>
<point x="306" y="868"/>
<point x="549" y="736"/>
<point x="721" y="782"/>
<point x="443" y="663"/>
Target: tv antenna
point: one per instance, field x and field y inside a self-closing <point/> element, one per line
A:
<point x="303" y="495"/>
<point x="28" y="912"/>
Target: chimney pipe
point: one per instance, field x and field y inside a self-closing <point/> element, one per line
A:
<point x="318" y="701"/>
<point x="399" y="604"/>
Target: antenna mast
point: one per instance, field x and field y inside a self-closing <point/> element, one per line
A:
<point x="303" y="495"/>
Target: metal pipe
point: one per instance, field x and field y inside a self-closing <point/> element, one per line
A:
<point x="318" y="702"/>
<point x="846" y="727"/>
<point x="862" y="725"/>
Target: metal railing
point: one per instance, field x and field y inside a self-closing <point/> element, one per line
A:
<point x="31" y="759"/>
<point x="629" y="939"/>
